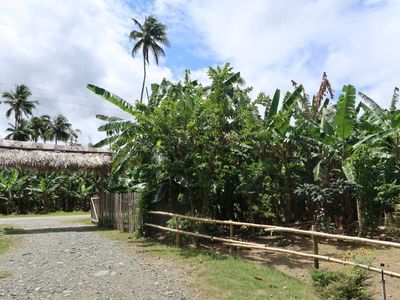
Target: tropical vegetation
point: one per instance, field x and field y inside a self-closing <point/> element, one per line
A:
<point x="214" y="151"/>
<point x="23" y="191"/>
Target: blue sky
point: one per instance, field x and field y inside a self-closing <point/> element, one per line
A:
<point x="56" y="48"/>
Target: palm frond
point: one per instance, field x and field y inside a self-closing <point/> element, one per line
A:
<point x="137" y="23"/>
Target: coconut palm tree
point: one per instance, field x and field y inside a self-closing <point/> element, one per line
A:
<point x="149" y="37"/>
<point x="35" y="123"/>
<point x="73" y="136"/>
<point x="19" y="103"/>
<point x="60" y="129"/>
<point x="46" y="128"/>
<point x="22" y="132"/>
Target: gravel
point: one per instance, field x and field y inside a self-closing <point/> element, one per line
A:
<point x="58" y="259"/>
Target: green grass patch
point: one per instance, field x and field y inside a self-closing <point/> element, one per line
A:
<point x="6" y="242"/>
<point x="223" y="277"/>
<point x="5" y="274"/>
<point x="53" y="214"/>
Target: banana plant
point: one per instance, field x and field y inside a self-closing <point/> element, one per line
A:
<point x="8" y="184"/>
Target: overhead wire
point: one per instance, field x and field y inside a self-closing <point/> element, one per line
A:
<point x="39" y="98"/>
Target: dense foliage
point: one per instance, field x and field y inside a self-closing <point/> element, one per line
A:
<point x="212" y="150"/>
<point x="32" y="192"/>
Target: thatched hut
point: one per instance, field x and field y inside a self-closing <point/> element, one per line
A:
<point x="47" y="157"/>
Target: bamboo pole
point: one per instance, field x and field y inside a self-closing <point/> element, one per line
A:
<point x="275" y="249"/>
<point x="178" y="237"/>
<point x="315" y="246"/>
<point x="230" y="237"/>
<point x="95" y="206"/>
<point x="284" y="229"/>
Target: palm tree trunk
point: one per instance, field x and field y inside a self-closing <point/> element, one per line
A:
<point x="144" y="78"/>
<point x="16" y="124"/>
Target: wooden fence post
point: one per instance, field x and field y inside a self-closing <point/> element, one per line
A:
<point x="230" y="237"/>
<point x="315" y="246"/>
<point x="178" y="236"/>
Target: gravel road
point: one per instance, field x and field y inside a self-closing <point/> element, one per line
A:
<point x="58" y="259"/>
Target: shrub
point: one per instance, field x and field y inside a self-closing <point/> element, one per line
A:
<point x="350" y="283"/>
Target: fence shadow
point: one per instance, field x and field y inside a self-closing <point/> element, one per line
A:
<point x="82" y="228"/>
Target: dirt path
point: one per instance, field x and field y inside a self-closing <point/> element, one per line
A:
<point x="59" y="259"/>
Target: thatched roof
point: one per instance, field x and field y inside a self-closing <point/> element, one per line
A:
<point x="47" y="157"/>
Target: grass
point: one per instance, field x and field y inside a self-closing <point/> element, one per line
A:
<point x="7" y="243"/>
<point x="5" y="274"/>
<point x="53" y="214"/>
<point x="222" y="277"/>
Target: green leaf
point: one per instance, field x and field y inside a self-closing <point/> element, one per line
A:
<point x="345" y="118"/>
<point x="234" y="78"/>
<point x="107" y="118"/>
<point x="292" y="98"/>
<point x="118" y="125"/>
<point x="112" y="98"/>
<point x="325" y="126"/>
<point x="376" y="137"/>
<point x="317" y="171"/>
<point x="274" y="105"/>
<point x="348" y="170"/>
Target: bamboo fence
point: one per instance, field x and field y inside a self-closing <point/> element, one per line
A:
<point x="272" y="228"/>
<point x="236" y="243"/>
<point x="116" y="210"/>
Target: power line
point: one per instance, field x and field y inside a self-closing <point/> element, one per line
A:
<point x="74" y="103"/>
<point x="51" y="91"/>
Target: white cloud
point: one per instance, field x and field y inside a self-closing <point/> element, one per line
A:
<point x="272" y="42"/>
<point x="58" y="47"/>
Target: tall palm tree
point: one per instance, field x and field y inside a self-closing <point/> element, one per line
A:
<point x="46" y="128"/>
<point x="149" y="37"/>
<point x="61" y="129"/>
<point x="19" y="103"/>
<point x="22" y="132"/>
<point x="73" y="136"/>
<point x="35" y="124"/>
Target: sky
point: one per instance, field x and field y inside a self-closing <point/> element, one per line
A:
<point x="58" y="47"/>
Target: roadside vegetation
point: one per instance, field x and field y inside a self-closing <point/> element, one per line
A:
<point x="34" y="192"/>
<point x="290" y="158"/>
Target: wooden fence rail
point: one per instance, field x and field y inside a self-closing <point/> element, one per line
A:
<point x="313" y="233"/>
<point x="273" y="228"/>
